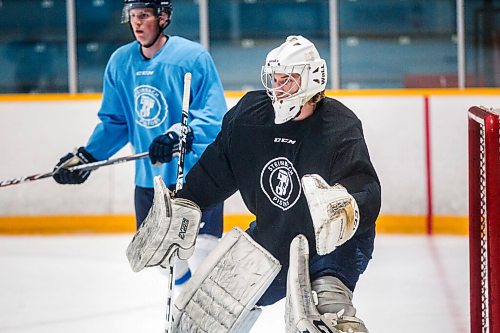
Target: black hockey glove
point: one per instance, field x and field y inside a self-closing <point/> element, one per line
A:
<point x="64" y="176"/>
<point x="165" y="146"/>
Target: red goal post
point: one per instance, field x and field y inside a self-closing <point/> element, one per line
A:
<point x="484" y="219"/>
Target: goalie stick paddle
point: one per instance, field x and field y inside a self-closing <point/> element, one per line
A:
<point x="80" y="167"/>
<point x="178" y="186"/>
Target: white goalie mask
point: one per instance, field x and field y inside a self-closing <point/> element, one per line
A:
<point x="294" y="64"/>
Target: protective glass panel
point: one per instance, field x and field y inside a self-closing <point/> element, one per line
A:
<point x="482" y="37"/>
<point x="242" y="32"/>
<point x="396" y="44"/>
<point x="100" y="33"/>
<point x="33" y="53"/>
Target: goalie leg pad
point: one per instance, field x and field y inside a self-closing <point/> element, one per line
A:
<point x="221" y="295"/>
<point x="301" y="314"/>
<point x="168" y="232"/>
<point x="324" y="306"/>
<point x="183" y="269"/>
<point x="334" y="212"/>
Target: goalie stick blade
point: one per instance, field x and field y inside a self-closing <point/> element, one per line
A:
<point x="25" y="179"/>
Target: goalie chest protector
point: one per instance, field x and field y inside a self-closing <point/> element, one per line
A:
<point x="268" y="161"/>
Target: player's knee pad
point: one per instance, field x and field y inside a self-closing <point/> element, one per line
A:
<point x="221" y="295"/>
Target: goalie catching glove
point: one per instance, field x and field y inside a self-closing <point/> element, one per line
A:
<point x="334" y="212"/>
<point x="167" y="233"/>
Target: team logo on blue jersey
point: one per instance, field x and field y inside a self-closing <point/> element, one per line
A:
<point x="280" y="182"/>
<point x="150" y="106"/>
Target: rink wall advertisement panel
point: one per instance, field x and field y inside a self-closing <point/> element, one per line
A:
<point x="38" y="129"/>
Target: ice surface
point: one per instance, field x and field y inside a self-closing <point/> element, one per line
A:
<point x="82" y="284"/>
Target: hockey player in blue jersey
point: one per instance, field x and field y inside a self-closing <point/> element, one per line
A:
<point x="142" y="104"/>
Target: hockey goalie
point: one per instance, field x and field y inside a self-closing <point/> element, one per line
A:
<point x="223" y="293"/>
<point x="301" y="164"/>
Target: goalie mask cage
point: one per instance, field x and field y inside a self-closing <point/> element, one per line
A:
<point x="484" y="219"/>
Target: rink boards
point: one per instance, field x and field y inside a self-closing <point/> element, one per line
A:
<point x="417" y="141"/>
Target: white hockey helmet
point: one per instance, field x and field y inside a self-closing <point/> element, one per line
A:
<point x="296" y="55"/>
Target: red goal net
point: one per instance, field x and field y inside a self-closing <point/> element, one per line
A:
<point x="484" y="219"/>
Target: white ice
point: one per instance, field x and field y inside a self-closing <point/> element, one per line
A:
<point x="77" y="284"/>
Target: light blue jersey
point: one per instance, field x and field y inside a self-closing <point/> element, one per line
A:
<point x="143" y="98"/>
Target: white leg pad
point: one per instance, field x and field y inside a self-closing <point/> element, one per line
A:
<point x="221" y="295"/>
<point x="301" y="314"/>
<point x="183" y="269"/>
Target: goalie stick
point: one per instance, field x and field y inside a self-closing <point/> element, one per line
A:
<point x="80" y="167"/>
<point x="178" y="186"/>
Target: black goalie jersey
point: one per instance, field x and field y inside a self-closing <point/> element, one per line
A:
<point x="265" y="162"/>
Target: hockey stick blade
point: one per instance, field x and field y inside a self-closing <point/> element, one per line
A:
<point x="81" y="167"/>
<point x="25" y="179"/>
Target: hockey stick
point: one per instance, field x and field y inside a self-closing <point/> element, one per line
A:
<point x="80" y="167"/>
<point x="178" y="186"/>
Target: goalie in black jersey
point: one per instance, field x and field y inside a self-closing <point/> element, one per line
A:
<point x="301" y="164"/>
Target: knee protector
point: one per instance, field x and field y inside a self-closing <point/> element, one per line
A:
<point x="334" y="297"/>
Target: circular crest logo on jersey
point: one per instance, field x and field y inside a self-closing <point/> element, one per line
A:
<point x="150" y="106"/>
<point x="280" y="182"/>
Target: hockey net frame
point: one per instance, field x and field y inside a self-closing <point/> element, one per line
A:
<point x="484" y="219"/>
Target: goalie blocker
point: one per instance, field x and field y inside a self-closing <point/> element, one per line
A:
<point x="168" y="232"/>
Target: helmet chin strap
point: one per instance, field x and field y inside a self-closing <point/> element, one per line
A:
<point x="147" y="46"/>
